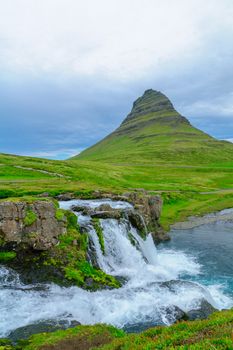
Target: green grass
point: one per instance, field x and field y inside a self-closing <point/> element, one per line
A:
<point x="162" y="137"/>
<point x="202" y="188"/>
<point x="216" y="332"/>
<point x="7" y="256"/>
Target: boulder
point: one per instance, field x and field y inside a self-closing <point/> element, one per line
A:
<point x="136" y="221"/>
<point x="113" y="214"/>
<point x="41" y="327"/>
<point x="81" y="209"/>
<point x="170" y="313"/>
<point x="33" y="224"/>
<point x="203" y="311"/>
<point x="65" y="196"/>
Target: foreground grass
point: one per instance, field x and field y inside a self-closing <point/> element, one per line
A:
<point x="216" y="332"/>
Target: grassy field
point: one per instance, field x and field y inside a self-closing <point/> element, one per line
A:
<point x="187" y="190"/>
<point x="216" y="332"/>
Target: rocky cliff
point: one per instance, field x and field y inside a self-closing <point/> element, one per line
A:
<point x="144" y="215"/>
<point x="32" y="224"/>
<point x="150" y="102"/>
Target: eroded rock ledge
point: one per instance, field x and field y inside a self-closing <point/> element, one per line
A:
<point x="32" y="224"/>
<point x="45" y="244"/>
<point x="144" y="215"/>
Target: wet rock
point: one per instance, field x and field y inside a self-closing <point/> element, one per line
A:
<point x="160" y="236"/>
<point x="113" y="214"/>
<point x="137" y="221"/>
<point x="91" y="254"/>
<point x="104" y="211"/>
<point x="171" y="314"/>
<point x="149" y="207"/>
<point x="104" y="207"/>
<point x="175" y="285"/>
<point x="41" y="327"/>
<point x="203" y="311"/>
<point x="81" y="209"/>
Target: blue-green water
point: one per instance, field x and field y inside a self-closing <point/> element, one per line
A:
<point x="212" y="246"/>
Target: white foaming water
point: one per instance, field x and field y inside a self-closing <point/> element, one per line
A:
<point x="152" y="286"/>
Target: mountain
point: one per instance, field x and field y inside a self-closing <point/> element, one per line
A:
<point x="155" y="132"/>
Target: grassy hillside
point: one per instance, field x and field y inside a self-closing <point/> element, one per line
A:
<point x="155" y="133"/>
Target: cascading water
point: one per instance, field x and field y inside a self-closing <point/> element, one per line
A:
<point x="154" y="287"/>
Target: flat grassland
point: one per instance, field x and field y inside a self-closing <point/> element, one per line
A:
<point x="186" y="189"/>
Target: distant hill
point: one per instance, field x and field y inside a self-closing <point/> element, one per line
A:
<point x="155" y="132"/>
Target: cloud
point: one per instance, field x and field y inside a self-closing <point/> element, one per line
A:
<point x="70" y="70"/>
<point x="55" y="154"/>
<point x="114" y="38"/>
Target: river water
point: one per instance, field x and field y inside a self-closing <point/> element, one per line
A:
<point x="196" y="264"/>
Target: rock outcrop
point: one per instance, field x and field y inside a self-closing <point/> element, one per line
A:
<point x="33" y="224"/>
<point x="144" y="214"/>
<point x="149" y="208"/>
<point x="151" y="101"/>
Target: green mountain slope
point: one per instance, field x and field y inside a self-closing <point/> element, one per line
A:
<point x="155" y="132"/>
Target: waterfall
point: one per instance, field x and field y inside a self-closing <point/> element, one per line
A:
<point x="155" y="283"/>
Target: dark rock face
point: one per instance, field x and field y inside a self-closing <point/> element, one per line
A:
<point x="137" y="220"/>
<point x="150" y="101"/>
<point x="41" y="327"/>
<point x="144" y="216"/>
<point x="173" y="313"/>
<point x="34" y="224"/>
<point x="112" y="214"/>
<point x="203" y="311"/>
<point x="149" y="207"/>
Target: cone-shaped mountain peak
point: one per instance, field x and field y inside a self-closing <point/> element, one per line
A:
<point x="150" y="101"/>
<point x="154" y="132"/>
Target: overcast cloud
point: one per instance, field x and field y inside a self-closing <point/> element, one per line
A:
<point x="70" y="69"/>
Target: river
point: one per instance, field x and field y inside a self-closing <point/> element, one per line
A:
<point x="196" y="264"/>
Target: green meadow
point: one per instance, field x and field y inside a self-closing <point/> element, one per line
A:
<point x="186" y="190"/>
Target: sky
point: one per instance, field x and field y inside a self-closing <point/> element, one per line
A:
<point x="71" y="69"/>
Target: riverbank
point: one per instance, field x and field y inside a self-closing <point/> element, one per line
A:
<point x="212" y="333"/>
<point x="194" y="221"/>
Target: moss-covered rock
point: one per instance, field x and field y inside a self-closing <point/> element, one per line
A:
<point x="30" y="223"/>
<point x="99" y="231"/>
<point x="64" y="263"/>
